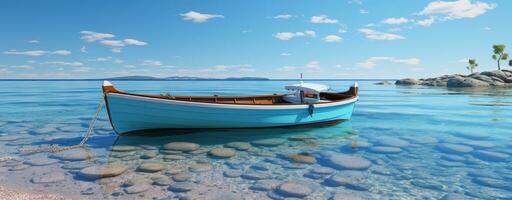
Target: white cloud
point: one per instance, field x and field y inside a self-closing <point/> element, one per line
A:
<point x="21" y="67"/>
<point x="310" y="33"/>
<point x="130" y="41"/>
<point x="363" y="11"/>
<point x="372" y="61"/>
<point x="152" y="63"/>
<point x="284" y="16"/>
<point x="290" y="35"/>
<point x="313" y="65"/>
<point x="333" y="38"/>
<point x="118" y="61"/>
<point x="457" y="9"/>
<point x="359" y="2"/>
<point x="116" y="50"/>
<point x="107" y="39"/>
<point x="395" y="21"/>
<point x="246" y="70"/>
<point x="4" y="71"/>
<point x="73" y="64"/>
<point x="285" y="54"/>
<point x="199" y="17"/>
<point x="114" y="43"/>
<point x="38" y="52"/>
<point x="426" y="22"/>
<point x="487" y="28"/>
<point x="83" y="69"/>
<point x="155" y="63"/>
<point x="101" y="59"/>
<point x="91" y="36"/>
<point x="33" y="41"/>
<point x="375" y="35"/>
<point x="287" y="68"/>
<point x="323" y="19"/>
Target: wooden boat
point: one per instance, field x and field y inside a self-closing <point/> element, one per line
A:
<point x="309" y="104"/>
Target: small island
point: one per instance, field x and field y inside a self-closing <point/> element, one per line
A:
<point x="496" y="78"/>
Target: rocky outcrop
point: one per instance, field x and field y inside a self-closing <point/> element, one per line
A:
<point x="497" y="78"/>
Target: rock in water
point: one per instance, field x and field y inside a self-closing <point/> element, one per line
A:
<point x="123" y="148"/>
<point x="342" y="161"/>
<point x="41" y="161"/>
<point x="182" y="186"/>
<point x="137" y="188"/>
<point x="496" y="73"/>
<point x="49" y="178"/>
<point x="200" y="167"/>
<point x="255" y="176"/>
<point x="269" y="142"/>
<point x="301" y="158"/>
<point x="292" y="189"/>
<point x="491" y="156"/>
<point x="454" y="148"/>
<point x="407" y="81"/>
<point x="385" y="150"/>
<point x="241" y="146"/>
<point x="465" y="82"/>
<point x="151" y="167"/>
<point x="265" y="185"/>
<point x="103" y="171"/>
<point x="181" y="146"/>
<point x="391" y="141"/>
<point x="174" y="157"/>
<point x="222" y="152"/>
<point x="73" y="155"/>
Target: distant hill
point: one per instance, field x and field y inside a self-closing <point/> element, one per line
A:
<point x="133" y="78"/>
<point x="182" y="78"/>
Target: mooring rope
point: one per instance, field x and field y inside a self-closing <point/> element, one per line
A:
<point x="57" y="148"/>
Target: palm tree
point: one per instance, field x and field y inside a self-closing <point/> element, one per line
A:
<point x="472" y="65"/>
<point x="499" y="53"/>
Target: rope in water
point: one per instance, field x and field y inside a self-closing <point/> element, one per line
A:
<point x="57" y="148"/>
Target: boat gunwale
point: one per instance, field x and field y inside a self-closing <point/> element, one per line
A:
<point x="231" y="105"/>
<point x="351" y="94"/>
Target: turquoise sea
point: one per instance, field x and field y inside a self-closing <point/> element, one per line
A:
<point x="402" y="143"/>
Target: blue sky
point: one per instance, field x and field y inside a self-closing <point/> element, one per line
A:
<point x="267" y="38"/>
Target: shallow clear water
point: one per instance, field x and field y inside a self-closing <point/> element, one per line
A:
<point x="410" y="143"/>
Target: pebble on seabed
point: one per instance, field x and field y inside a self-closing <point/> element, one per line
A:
<point x="73" y="155"/>
<point x="301" y="158"/>
<point x="49" y="178"/>
<point x="454" y="148"/>
<point x="291" y="189"/>
<point x="103" y="171"/>
<point x="182" y="186"/>
<point x="200" y="167"/>
<point x="269" y="142"/>
<point x="342" y="161"/>
<point x="241" y="146"/>
<point x="181" y="146"/>
<point x="137" y="188"/>
<point x="222" y="152"/>
<point x="151" y="167"/>
<point x="41" y="161"/>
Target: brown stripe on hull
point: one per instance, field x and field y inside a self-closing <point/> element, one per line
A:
<point x="165" y="131"/>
